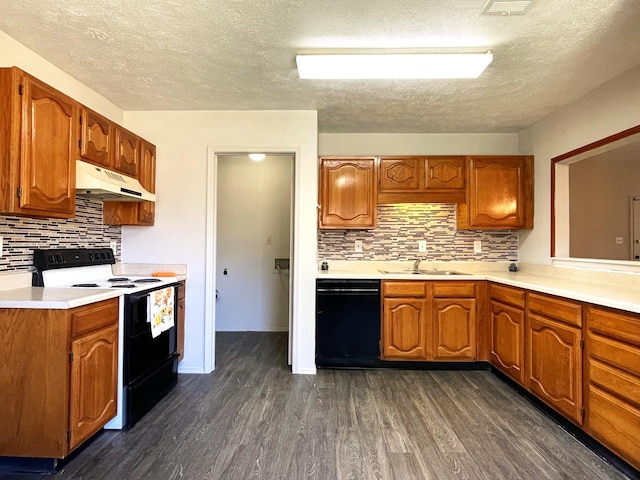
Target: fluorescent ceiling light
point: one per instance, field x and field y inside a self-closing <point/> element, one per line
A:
<point x="393" y="65"/>
<point x="257" y="157"/>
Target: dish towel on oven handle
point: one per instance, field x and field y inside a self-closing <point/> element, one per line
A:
<point x="160" y="310"/>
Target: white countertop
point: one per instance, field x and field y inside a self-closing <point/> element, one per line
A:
<point x="16" y="290"/>
<point x="54" y="298"/>
<point x="608" y="289"/>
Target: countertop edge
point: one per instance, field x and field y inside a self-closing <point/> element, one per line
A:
<point x="627" y="299"/>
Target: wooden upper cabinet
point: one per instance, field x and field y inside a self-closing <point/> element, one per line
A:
<point x="146" y="210"/>
<point x="439" y="179"/>
<point x="40" y="147"/>
<point x="444" y="173"/>
<point x="401" y="174"/>
<point x="97" y="139"/>
<point x="127" y="158"/>
<point x="348" y="190"/>
<point x="499" y="194"/>
<point x="136" y="213"/>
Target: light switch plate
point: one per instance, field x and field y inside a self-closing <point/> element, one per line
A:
<point x="113" y="246"/>
<point x="477" y="246"/>
<point x="358" y="246"/>
<point x="1" y="246"/>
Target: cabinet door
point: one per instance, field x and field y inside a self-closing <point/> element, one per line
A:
<point x="554" y="365"/>
<point x="404" y="328"/>
<point x="96" y="144"/>
<point x="507" y="340"/>
<point x="49" y="143"/>
<point x="400" y="174"/>
<point x="444" y="173"/>
<point x="348" y="193"/>
<point x="94" y="383"/>
<point x="454" y="329"/>
<point x="500" y="192"/>
<point x="146" y="210"/>
<point x="127" y="158"/>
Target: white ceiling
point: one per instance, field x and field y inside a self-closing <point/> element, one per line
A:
<point x="240" y="55"/>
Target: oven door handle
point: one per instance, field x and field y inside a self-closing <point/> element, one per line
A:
<point x="137" y="298"/>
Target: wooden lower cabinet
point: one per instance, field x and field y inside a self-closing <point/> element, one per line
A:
<point x="453" y="320"/>
<point x="404" y="333"/>
<point x="424" y="320"/>
<point x="507" y="330"/>
<point x="554" y="354"/>
<point x="59" y="377"/>
<point x="613" y="381"/>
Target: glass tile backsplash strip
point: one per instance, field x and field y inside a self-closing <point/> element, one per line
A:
<point x="401" y="226"/>
<point x="21" y="235"/>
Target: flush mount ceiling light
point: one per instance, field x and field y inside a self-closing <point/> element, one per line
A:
<point x="257" y="157"/>
<point x="506" y="7"/>
<point x="392" y="65"/>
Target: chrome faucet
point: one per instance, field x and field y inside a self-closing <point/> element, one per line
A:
<point x="416" y="264"/>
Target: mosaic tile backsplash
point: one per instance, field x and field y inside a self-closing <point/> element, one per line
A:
<point x="401" y="226"/>
<point x="21" y="235"/>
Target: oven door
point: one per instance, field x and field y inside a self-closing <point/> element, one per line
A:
<point x="142" y="352"/>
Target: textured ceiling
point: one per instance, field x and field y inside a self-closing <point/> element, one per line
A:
<point x="240" y="55"/>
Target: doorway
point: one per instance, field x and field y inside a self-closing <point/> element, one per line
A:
<point x="253" y="243"/>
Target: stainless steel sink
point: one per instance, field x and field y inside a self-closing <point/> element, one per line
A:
<point x="410" y="271"/>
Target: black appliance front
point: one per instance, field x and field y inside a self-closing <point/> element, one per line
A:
<point x="150" y="365"/>
<point x="348" y="323"/>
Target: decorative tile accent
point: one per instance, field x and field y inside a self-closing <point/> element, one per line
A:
<point x="22" y="235"/>
<point x="400" y="227"/>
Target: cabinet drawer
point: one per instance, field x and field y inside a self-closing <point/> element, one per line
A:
<point x="94" y="316"/>
<point x="615" y="381"/>
<point x="551" y="307"/>
<point x="404" y="289"/>
<point x="507" y="295"/>
<point x="621" y="355"/>
<point x="625" y="327"/>
<point x="454" y="289"/>
<point x="615" y="423"/>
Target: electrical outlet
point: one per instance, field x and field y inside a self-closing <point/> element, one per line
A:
<point x="1" y="246"/>
<point x="269" y="240"/>
<point x="358" y="246"/>
<point x="619" y="240"/>
<point x="477" y="246"/>
<point x="422" y="246"/>
<point x="113" y="246"/>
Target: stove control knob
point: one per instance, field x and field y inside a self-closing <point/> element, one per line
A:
<point x="91" y="256"/>
<point x="103" y="256"/>
<point x="51" y="259"/>
<point x="59" y="258"/>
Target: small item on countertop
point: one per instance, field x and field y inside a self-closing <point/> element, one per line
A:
<point x="163" y="274"/>
<point x="324" y="266"/>
<point x="513" y="267"/>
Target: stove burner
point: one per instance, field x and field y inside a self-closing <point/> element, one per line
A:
<point x="85" y="285"/>
<point x="118" y="279"/>
<point x="124" y="285"/>
<point x="147" y="280"/>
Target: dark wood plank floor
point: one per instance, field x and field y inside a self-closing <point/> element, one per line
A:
<point x="253" y="419"/>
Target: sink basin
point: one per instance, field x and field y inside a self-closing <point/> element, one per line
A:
<point x="410" y="271"/>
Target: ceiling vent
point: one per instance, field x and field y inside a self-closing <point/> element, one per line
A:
<point x="506" y="7"/>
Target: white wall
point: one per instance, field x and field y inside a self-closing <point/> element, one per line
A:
<point x="253" y="213"/>
<point x="179" y="234"/>
<point x="418" y="143"/>
<point x="14" y="54"/>
<point x="611" y="108"/>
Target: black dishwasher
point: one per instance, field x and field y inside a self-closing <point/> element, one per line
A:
<point x="347" y="323"/>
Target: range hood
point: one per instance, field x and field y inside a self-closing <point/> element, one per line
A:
<point x="98" y="182"/>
